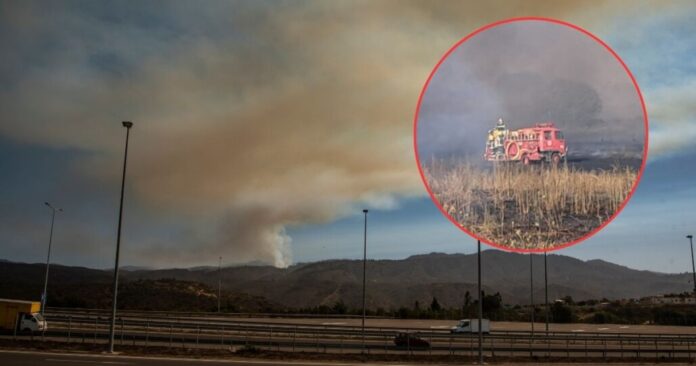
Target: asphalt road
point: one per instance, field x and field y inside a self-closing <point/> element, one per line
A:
<point x="11" y="358"/>
<point x="495" y="326"/>
<point x="420" y="324"/>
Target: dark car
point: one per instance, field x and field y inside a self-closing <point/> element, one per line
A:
<point x="410" y="340"/>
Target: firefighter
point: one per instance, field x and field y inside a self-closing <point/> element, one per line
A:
<point x="500" y="123"/>
<point x="497" y="137"/>
<point x="491" y="138"/>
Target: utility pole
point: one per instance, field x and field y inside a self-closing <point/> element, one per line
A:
<point x="112" y="327"/>
<point x="364" y="278"/>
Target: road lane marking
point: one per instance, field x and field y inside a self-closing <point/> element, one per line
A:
<point x="86" y="361"/>
<point x="66" y="360"/>
<point x="577" y="330"/>
<point x="333" y="323"/>
<point x="602" y="328"/>
<point x="194" y="360"/>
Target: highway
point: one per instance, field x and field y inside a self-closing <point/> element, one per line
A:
<point x="335" y="335"/>
<point x="62" y="359"/>
<point x="385" y="323"/>
<point x="9" y="358"/>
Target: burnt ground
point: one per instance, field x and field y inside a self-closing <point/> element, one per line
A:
<point x="586" y="162"/>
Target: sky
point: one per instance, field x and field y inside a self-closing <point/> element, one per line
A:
<point x="262" y="129"/>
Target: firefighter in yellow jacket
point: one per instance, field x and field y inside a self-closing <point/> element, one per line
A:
<point x="496" y="137"/>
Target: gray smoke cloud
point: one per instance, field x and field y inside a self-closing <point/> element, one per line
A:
<point x="252" y="117"/>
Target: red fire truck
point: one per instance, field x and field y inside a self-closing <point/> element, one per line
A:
<point x="543" y="142"/>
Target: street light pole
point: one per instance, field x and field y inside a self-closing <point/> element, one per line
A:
<point x="219" y="283"/>
<point x="48" y="257"/>
<point x="693" y="268"/>
<point x="112" y="328"/>
<point x="364" y="278"/>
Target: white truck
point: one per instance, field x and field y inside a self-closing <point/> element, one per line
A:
<point x="472" y="326"/>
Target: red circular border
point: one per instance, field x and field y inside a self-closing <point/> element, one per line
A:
<point x="645" y="142"/>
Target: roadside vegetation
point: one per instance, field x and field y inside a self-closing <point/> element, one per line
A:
<point x="564" y="310"/>
<point x="187" y="296"/>
<point x="155" y="295"/>
<point x="528" y="207"/>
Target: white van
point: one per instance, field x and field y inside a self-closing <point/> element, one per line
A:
<point x="471" y="326"/>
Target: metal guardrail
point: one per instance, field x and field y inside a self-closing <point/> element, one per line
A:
<point x="210" y="314"/>
<point x="151" y="328"/>
<point x="589" y="348"/>
<point x="352" y="330"/>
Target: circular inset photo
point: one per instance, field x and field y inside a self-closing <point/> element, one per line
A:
<point x="531" y="134"/>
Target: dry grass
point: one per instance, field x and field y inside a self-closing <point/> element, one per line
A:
<point x="531" y="207"/>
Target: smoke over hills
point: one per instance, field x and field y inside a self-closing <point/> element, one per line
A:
<point x="255" y="117"/>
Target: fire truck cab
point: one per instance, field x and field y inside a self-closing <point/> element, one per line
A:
<point x="543" y="142"/>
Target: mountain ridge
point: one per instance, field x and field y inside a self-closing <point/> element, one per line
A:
<point x="400" y="282"/>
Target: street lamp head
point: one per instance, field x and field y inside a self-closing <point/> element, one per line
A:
<point x="365" y="210"/>
<point x="689" y="236"/>
<point x="127" y="124"/>
<point x="47" y="204"/>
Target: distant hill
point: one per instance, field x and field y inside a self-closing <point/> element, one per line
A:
<point x="391" y="283"/>
<point x="25" y="281"/>
<point x="90" y="288"/>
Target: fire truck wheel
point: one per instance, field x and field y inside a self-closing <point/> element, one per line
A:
<point x="555" y="159"/>
<point x="525" y="159"/>
<point x="513" y="151"/>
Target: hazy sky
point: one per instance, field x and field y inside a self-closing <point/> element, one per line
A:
<point x="262" y="128"/>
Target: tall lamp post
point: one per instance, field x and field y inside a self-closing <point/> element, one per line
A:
<point x="112" y="328"/>
<point x="364" y="278"/>
<point x="693" y="268"/>
<point x="48" y="257"/>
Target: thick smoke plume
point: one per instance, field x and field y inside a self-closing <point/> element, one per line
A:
<point x="249" y="118"/>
